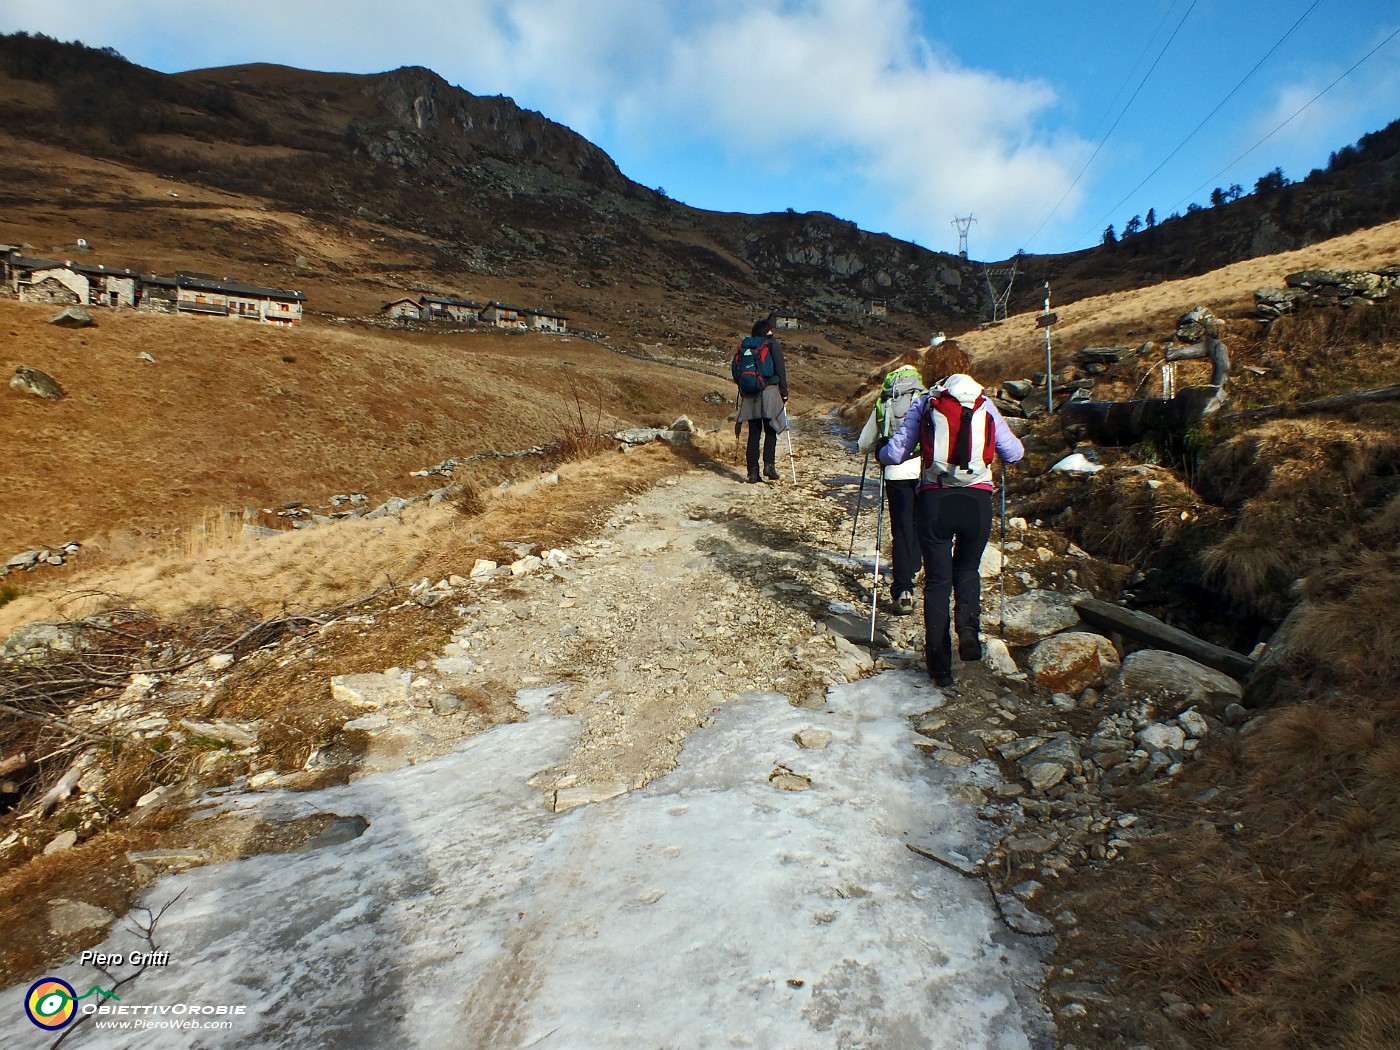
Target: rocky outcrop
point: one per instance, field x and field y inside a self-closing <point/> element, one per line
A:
<point x="421" y="103"/>
<point x="1308" y="288"/>
<point x="843" y="267"/>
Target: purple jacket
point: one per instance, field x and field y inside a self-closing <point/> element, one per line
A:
<point x="896" y="450"/>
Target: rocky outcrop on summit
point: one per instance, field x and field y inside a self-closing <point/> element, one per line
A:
<point x="420" y="101"/>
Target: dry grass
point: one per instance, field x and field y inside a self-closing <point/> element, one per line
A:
<point x="332" y="564"/>
<point x="223" y="421"/>
<point x="1295" y="487"/>
<point x="1349" y="627"/>
<point x="1017" y="348"/>
<point x="1275" y="909"/>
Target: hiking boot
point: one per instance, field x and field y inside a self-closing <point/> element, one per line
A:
<point x="770" y="472"/>
<point x="969" y="647"/>
<point x="903" y="604"/>
<point x="942" y="679"/>
<point x="754" y="479"/>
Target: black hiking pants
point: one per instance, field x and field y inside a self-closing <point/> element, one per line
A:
<point x="954" y="526"/>
<point x="899" y="497"/>
<point x="770" y="445"/>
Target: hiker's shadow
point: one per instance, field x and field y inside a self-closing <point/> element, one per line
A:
<point x="788" y="562"/>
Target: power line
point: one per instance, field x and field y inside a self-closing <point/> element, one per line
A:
<point x="1219" y="105"/>
<point x="1128" y="76"/>
<point x="1121" y="113"/>
<point x="1296" y="112"/>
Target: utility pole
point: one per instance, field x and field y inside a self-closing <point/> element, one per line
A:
<point x="963" y="224"/>
<point x="1000" y="299"/>
<point x="1045" y="320"/>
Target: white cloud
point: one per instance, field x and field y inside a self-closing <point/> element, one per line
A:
<point x="1334" y="104"/>
<point x="847" y="86"/>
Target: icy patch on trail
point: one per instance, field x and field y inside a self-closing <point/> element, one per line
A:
<point x="709" y="909"/>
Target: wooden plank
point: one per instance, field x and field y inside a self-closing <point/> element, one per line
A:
<point x="1149" y="629"/>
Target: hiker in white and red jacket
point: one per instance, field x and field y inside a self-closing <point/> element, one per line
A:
<point x="766" y="410"/>
<point x="959" y="431"/>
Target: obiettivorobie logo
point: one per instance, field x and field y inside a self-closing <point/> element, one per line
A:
<point x="52" y="1003"/>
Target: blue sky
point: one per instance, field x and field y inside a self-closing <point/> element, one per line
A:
<point x="896" y="114"/>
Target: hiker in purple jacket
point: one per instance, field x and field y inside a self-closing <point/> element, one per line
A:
<point x="960" y="431"/>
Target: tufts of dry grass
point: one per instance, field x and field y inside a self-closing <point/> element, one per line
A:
<point x="467" y="498"/>
<point x="1295" y="486"/>
<point x="1348" y="625"/>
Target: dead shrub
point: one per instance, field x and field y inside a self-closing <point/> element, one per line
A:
<point x="467" y="498"/>
<point x="577" y="440"/>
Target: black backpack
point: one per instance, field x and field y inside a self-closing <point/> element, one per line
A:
<point x="753" y="365"/>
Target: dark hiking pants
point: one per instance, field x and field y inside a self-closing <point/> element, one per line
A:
<point x="770" y="445"/>
<point x="953" y="526"/>
<point x="899" y="496"/>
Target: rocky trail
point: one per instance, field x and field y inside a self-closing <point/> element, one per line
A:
<point x="710" y="814"/>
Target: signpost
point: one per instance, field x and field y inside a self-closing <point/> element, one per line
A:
<point x="1045" y="320"/>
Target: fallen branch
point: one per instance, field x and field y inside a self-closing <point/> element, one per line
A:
<point x="999" y="900"/>
<point x="65" y="785"/>
<point x="147" y="933"/>
<point x="53" y="723"/>
<point x="14" y="764"/>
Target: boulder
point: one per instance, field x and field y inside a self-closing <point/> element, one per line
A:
<point x="40" y="637"/>
<point x="1050" y="763"/>
<point x="26" y="560"/>
<point x="1275" y="301"/>
<point x="997" y="658"/>
<point x="1033" y="615"/>
<point x="1018" y="389"/>
<point x="72" y="317"/>
<point x="1160" y="737"/>
<point x="1175" y="682"/>
<point x="235" y="736"/>
<point x="370" y="690"/>
<point x="68" y="918"/>
<point x="32" y="381"/>
<point x="992" y="561"/>
<point x="1073" y="662"/>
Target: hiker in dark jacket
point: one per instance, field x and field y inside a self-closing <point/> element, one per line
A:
<point x="953" y="508"/>
<point x="765" y="412"/>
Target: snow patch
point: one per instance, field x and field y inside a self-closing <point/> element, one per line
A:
<point x="708" y="909"/>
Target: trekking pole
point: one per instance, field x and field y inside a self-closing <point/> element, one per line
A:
<point x="860" y="498"/>
<point x="1001" y="571"/>
<point x="791" y="461"/>
<point x="879" y="539"/>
